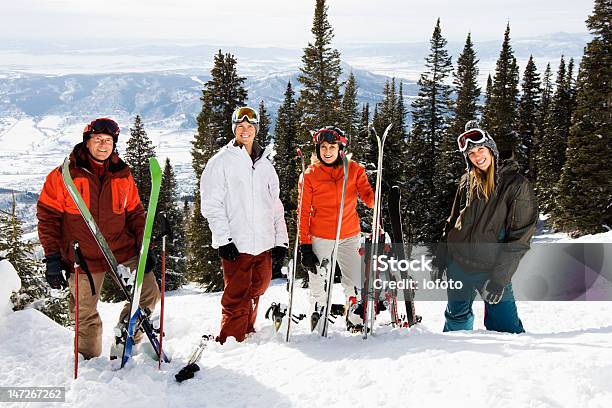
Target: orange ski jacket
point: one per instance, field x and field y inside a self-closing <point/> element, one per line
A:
<point x="321" y="201"/>
<point x="112" y="200"/>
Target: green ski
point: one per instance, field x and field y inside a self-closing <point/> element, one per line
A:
<point x="135" y="310"/>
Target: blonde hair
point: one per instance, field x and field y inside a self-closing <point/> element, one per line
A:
<point x="482" y="182"/>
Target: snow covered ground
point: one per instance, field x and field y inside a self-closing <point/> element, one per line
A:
<point x="564" y="360"/>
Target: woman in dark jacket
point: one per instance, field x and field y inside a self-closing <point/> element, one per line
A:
<point x="487" y="233"/>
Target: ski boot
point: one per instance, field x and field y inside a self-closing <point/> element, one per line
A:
<point x="354" y="313"/>
<point x="315" y="317"/>
<point x="276" y="312"/>
<point x="118" y="345"/>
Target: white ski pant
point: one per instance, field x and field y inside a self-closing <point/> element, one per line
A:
<point x="350" y="262"/>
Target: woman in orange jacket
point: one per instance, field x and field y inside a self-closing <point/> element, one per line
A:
<point x="320" y="204"/>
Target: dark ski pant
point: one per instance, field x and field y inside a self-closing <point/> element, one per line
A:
<point x="502" y="317"/>
<point x="90" y="324"/>
<point x="246" y="279"/>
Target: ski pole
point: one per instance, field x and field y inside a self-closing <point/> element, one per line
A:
<point x="292" y="273"/>
<point x="163" y="290"/>
<point x="76" y="309"/>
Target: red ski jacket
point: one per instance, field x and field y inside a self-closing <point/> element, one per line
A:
<point x="321" y="201"/>
<point x="112" y="200"/>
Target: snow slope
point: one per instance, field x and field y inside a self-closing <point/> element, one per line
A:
<point x="564" y="360"/>
<point x="10" y="283"/>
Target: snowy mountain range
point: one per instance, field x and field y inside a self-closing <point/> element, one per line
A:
<point x="49" y="90"/>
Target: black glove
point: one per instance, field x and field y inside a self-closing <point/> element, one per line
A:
<point x="53" y="272"/>
<point x="151" y="261"/>
<point x="492" y="292"/>
<point x="309" y="259"/>
<point x="439" y="262"/>
<point x="279" y="253"/>
<point x="229" y="252"/>
<point x="438" y="269"/>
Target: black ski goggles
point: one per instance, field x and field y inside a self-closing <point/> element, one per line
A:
<point x="471" y="136"/>
<point x="245" y="113"/>
<point x="102" y="125"/>
<point x="329" y="136"/>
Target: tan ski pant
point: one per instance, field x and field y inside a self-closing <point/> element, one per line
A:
<point x="90" y="324"/>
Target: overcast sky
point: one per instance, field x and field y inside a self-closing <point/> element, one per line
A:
<point x="286" y="22"/>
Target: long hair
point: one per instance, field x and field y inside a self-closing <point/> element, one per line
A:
<point x="482" y="183"/>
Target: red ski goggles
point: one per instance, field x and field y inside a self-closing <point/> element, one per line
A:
<point x="471" y="136"/>
<point x="329" y="136"/>
<point x="245" y="113"/>
<point x="102" y="125"/>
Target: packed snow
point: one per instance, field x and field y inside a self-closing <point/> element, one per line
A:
<point x="10" y="283"/>
<point x="563" y="360"/>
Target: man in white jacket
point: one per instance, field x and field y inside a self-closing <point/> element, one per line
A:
<point x="240" y="199"/>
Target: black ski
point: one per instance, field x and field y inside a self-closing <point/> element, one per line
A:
<point x="399" y="252"/>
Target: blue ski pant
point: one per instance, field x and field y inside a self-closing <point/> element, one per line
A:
<point x="501" y="317"/>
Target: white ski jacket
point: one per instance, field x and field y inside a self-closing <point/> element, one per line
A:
<point x="240" y="200"/>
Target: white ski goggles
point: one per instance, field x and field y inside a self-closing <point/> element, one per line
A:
<point x="245" y="113"/>
<point x="471" y="136"/>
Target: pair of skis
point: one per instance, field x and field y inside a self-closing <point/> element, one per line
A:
<point x="137" y="317"/>
<point x="371" y="296"/>
<point x="393" y="201"/>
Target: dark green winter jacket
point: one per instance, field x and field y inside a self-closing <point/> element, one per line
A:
<point x="492" y="236"/>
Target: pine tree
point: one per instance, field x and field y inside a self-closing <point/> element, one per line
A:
<point x="570" y="82"/>
<point x="361" y="143"/>
<point x="186" y="215"/>
<point x="401" y="113"/>
<point x="20" y="253"/>
<point x="487" y="108"/>
<point x="388" y="112"/>
<point x="221" y="95"/>
<point x="529" y="108"/>
<point x="139" y="150"/>
<point x="451" y="163"/>
<point x="349" y="122"/>
<point x="430" y="121"/>
<point x="502" y="120"/>
<point x="585" y="187"/>
<point x="319" y="101"/>
<point x="263" y="136"/>
<point x="286" y="163"/>
<point x="552" y="146"/>
<point x="364" y="152"/>
<point x="542" y="124"/>
<point x="175" y="241"/>
<point x="287" y="167"/>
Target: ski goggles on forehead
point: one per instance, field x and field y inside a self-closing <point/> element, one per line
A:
<point x="246" y="113"/>
<point x="471" y="136"/>
<point x="103" y="125"/>
<point x="329" y="136"/>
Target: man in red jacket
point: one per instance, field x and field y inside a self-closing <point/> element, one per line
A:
<point x="108" y="189"/>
